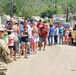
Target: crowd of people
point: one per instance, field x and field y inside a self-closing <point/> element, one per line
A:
<point x="27" y="38"/>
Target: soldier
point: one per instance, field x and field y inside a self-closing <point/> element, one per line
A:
<point x="4" y="53"/>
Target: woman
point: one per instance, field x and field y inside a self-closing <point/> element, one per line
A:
<point x="24" y="41"/>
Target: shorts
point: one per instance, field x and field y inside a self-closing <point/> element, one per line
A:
<point x="32" y="43"/>
<point x="66" y="37"/>
<point x="10" y="47"/>
<point x="24" y="42"/>
<point x="43" y="39"/>
<point x="16" y="45"/>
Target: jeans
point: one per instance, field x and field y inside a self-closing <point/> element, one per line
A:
<point x="50" y="36"/>
<point x="56" y="39"/>
<point x="60" y="38"/>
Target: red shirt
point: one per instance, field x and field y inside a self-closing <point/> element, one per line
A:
<point x="39" y="25"/>
<point x="43" y="32"/>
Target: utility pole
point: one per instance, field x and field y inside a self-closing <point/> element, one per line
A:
<point x="11" y="8"/>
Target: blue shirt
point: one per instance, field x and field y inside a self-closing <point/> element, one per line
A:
<point x="21" y="28"/>
<point x="51" y="30"/>
<point x="61" y="30"/>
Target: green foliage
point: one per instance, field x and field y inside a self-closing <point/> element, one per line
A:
<point x="41" y="8"/>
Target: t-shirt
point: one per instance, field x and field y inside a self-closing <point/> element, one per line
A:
<point x="56" y="31"/>
<point x="51" y="30"/>
<point x="39" y="25"/>
<point x="11" y="39"/>
<point x="61" y="30"/>
<point x="33" y="38"/>
<point x="43" y="32"/>
<point x="66" y="33"/>
<point x="26" y="38"/>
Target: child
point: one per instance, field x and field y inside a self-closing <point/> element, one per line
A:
<point x="11" y="39"/>
<point x="66" y="36"/>
<point x="33" y="42"/>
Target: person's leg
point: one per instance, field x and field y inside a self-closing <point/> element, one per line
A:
<point x="54" y="40"/>
<point x="31" y="48"/>
<point x="28" y="51"/>
<point x="11" y="49"/>
<point x="35" y="47"/>
<point x="49" y="39"/>
<point x="45" y="42"/>
<point x="57" y="39"/>
<point x="22" y="48"/>
<point x="41" y="40"/>
<point x="15" y="54"/>
<point x="62" y="38"/>
<point x="26" y="48"/>
<point x="16" y="48"/>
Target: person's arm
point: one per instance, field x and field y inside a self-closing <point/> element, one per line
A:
<point x="46" y="30"/>
<point x="18" y="30"/>
<point x="24" y="35"/>
<point x="36" y="30"/>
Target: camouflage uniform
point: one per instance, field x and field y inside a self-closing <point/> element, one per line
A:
<point x="4" y="57"/>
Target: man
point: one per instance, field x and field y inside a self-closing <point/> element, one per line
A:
<point x="61" y="30"/>
<point x="51" y="34"/>
<point x="4" y="53"/>
<point x="56" y="34"/>
<point x="43" y="32"/>
<point x="39" y="25"/>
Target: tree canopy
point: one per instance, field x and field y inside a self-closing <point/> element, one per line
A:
<point x="41" y="8"/>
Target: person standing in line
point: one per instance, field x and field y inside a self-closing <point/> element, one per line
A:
<point x="66" y="36"/>
<point x="43" y="32"/>
<point x="51" y="35"/>
<point x="61" y="31"/>
<point x="11" y="39"/>
<point x="39" y="25"/>
<point x="70" y="34"/>
<point x="34" y="27"/>
<point x="24" y="41"/>
<point x="56" y="34"/>
<point x="30" y="33"/>
<point x="33" y="42"/>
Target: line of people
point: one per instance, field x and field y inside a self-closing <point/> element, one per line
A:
<point x="59" y="34"/>
<point x="28" y="38"/>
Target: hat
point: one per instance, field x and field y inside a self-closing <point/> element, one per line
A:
<point x="2" y="28"/>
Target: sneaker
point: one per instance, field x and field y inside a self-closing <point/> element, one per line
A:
<point x="19" y="57"/>
<point x="26" y="57"/>
<point x="15" y="59"/>
<point x="39" y="49"/>
<point x="43" y="49"/>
